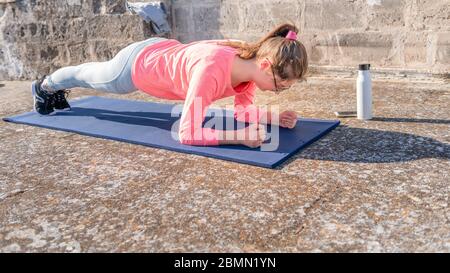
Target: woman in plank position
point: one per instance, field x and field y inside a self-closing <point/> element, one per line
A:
<point x="198" y="73"/>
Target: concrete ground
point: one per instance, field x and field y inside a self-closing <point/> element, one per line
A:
<point x="379" y="186"/>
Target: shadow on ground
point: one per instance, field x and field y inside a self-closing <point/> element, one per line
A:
<point x="359" y="145"/>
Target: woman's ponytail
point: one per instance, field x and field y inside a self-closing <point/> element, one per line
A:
<point x="279" y="31"/>
<point x="288" y="55"/>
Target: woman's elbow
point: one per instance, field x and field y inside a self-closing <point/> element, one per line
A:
<point x="185" y="138"/>
<point x="186" y="141"/>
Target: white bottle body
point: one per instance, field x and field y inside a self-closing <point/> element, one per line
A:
<point x="364" y="95"/>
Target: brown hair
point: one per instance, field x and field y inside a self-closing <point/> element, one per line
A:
<point x="285" y="54"/>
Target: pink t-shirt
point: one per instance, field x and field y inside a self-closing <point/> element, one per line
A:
<point x="198" y="73"/>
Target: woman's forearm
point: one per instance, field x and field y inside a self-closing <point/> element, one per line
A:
<point x="229" y="137"/>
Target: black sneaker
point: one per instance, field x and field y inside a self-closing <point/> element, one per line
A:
<point x="60" y="100"/>
<point x="43" y="101"/>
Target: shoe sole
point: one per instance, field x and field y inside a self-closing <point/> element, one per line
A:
<point x="33" y="92"/>
<point x="65" y="109"/>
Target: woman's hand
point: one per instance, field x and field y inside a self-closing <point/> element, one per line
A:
<point x="288" y="119"/>
<point x="251" y="136"/>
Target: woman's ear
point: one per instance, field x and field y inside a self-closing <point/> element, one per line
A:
<point x="264" y="64"/>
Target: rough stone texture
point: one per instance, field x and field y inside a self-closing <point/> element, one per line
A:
<point x="377" y="186"/>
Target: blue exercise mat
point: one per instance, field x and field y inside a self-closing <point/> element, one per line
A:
<point x="150" y="124"/>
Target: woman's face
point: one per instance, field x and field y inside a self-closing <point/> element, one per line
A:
<point x="267" y="80"/>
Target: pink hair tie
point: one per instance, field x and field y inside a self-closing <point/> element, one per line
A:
<point x="291" y="35"/>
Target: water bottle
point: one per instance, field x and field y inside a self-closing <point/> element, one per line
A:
<point x="364" y="92"/>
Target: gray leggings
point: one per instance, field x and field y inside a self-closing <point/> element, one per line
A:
<point x="113" y="76"/>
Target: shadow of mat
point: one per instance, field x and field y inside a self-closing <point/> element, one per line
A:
<point x="358" y="145"/>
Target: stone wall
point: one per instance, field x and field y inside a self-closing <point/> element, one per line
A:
<point x="39" y="36"/>
<point x="391" y="34"/>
